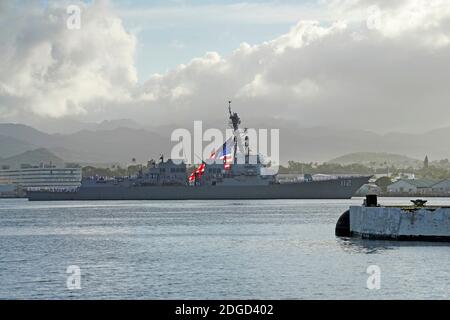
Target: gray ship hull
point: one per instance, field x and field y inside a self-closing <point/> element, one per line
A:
<point x="342" y="188"/>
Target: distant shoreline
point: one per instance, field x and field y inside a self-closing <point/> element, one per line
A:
<point x="411" y="195"/>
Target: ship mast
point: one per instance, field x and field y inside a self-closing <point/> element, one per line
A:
<point x="235" y="122"/>
<point x="234" y="118"/>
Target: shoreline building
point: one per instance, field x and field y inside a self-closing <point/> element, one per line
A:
<point x="43" y="177"/>
<point x="411" y="186"/>
<point x="442" y="187"/>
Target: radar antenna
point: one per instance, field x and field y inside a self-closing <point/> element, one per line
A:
<point x="234" y="118"/>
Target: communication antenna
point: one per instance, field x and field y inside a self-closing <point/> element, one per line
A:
<point x="234" y="118"/>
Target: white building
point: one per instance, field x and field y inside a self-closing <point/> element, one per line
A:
<point x="414" y="186"/>
<point x="442" y="187"/>
<point x="33" y="178"/>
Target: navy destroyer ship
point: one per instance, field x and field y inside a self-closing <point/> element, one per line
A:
<point x="228" y="174"/>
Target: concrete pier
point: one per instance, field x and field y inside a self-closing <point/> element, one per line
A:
<point x="401" y="223"/>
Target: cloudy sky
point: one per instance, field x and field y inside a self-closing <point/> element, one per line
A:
<point x="373" y="64"/>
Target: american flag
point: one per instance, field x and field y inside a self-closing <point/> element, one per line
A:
<point x="223" y="153"/>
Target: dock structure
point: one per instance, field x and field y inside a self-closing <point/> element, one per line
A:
<point x="417" y="222"/>
<point x="400" y="223"/>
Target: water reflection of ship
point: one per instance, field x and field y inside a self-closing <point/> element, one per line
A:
<point x="231" y="172"/>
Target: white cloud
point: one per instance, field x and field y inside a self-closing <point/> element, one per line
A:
<point x="376" y="64"/>
<point x="414" y="15"/>
<point x="53" y="71"/>
<point x="256" y="88"/>
<point x="305" y="33"/>
<point x="390" y="67"/>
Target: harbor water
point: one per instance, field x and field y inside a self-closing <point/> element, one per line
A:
<point x="270" y="249"/>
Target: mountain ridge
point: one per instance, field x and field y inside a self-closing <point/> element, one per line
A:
<point x="316" y="144"/>
<point x="32" y="157"/>
<point x="11" y="146"/>
<point x="377" y="159"/>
